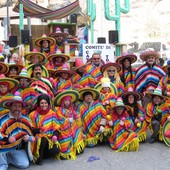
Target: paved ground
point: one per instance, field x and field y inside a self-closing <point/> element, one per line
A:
<point x="149" y="157"/>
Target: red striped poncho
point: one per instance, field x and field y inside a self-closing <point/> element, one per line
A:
<point x="91" y="117"/>
<point x="70" y="137"/>
<point x="9" y="126"/>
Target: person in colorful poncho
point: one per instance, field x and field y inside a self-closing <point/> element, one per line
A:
<point x="45" y="128"/>
<point x="122" y="138"/>
<point x="128" y="72"/>
<point x="14" y="134"/>
<point x="111" y="70"/>
<point x="136" y="113"/>
<point x="93" y="116"/>
<point x="157" y="112"/>
<point x="148" y="75"/>
<point x="71" y="136"/>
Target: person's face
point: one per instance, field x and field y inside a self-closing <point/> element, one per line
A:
<point x="45" y="44"/>
<point x="96" y="59"/>
<point x="3" y="88"/>
<point x="119" y="110"/>
<point x="106" y="89"/>
<point x="13" y="71"/>
<point x="64" y="75"/>
<point x="131" y="99"/>
<point x="67" y="103"/>
<point x="111" y="72"/>
<point x="16" y="109"/>
<point x="58" y="60"/>
<point x="126" y="63"/>
<point x="35" y="59"/>
<point x="23" y="82"/>
<point x="43" y="104"/>
<point x="37" y="72"/>
<point x="15" y="58"/>
<point x="88" y="98"/>
<point x="156" y="100"/>
<point x="150" y="60"/>
<point x="82" y="69"/>
<point x="59" y="38"/>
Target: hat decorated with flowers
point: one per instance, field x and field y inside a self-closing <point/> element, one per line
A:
<point x="131" y="91"/>
<point x="110" y="64"/>
<point x="3" y="68"/>
<point x="41" y="56"/>
<point x="149" y="52"/>
<point x="38" y="42"/>
<point x="119" y="103"/>
<point x="131" y="57"/>
<point x="16" y="99"/>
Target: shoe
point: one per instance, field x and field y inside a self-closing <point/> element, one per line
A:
<point x="151" y="140"/>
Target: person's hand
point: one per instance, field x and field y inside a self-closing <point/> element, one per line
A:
<point x="111" y="123"/>
<point x="70" y="119"/>
<point x="122" y="123"/>
<point x="101" y="129"/>
<point x="136" y="121"/>
<point x="26" y="138"/>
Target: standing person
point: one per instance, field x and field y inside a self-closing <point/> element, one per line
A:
<point x="136" y="113"/>
<point x="157" y="112"/>
<point x="14" y="134"/>
<point x="45" y="128"/>
<point x="71" y="136"/>
<point x="128" y="72"/>
<point x="122" y="138"/>
<point x="93" y="116"/>
<point x="148" y="75"/>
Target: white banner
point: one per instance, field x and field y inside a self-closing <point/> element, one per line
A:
<point x="108" y="52"/>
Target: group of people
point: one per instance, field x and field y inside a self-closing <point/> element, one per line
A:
<point x="49" y="110"/>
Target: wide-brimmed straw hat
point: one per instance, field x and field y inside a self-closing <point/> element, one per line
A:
<point x="149" y="52"/>
<point x="109" y="64"/>
<point x="166" y="133"/>
<point x="3" y="68"/>
<point x="131" y="91"/>
<point x="95" y="93"/>
<point x="16" y="99"/>
<point x="38" y="41"/>
<point x="119" y="103"/>
<point x="34" y="52"/>
<point x="73" y="93"/>
<point x="131" y="57"/>
<point x="13" y="64"/>
<point x="64" y="69"/>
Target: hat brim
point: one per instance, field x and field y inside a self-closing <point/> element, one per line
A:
<point x="145" y="54"/>
<point x="44" y="71"/>
<point x="153" y="94"/>
<point x="112" y="88"/>
<point x="137" y="95"/>
<point x="125" y="106"/>
<point x="95" y="93"/>
<point x="38" y="41"/>
<point x="54" y="34"/>
<point x="132" y="58"/>
<point x="3" y="68"/>
<point x="105" y="66"/>
<point x="51" y="73"/>
<point x="12" y="82"/>
<point x="20" y="67"/>
<point x="30" y="54"/>
<point x="84" y="65"/>
<point x="70" y="72"/>
<point x="74" y="94"/>
<point x="166" y="127"/>
<point x="64" y="56"/>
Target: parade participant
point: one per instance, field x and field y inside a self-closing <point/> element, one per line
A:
<point x="94" y="67"/>
<point x="81" y="78"/>
<point x="41" y="84"/>
<point x="57" y="59"/>
<point x="148" y="75"/>
<point x="59" y="39"/>
<point x="45" y="128"/>
<point x="15" y="58"/>
<point x="34" y="57"/>
<point x="136" y="113"/>
<point x="122" y="138"/>
<point x="63" y="80"/>
<point x="71" y="136"/>
<point x="111" y="70"/>
<point x="93" y="116"/>
<point x="14" y="135"/>
<point x="3" y="68"/>
<point x="128" y="72"/>
<point x="157" y="112"/>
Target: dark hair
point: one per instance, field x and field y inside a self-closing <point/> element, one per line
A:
<point x="87" y="93"/>
<point x="41" y="97"/>
<point x="13" y="67"/>
<point x="37" y="65"/>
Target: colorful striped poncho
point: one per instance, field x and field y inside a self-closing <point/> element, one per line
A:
<point x="48" y="125"/>
<point x="122" y="138"/>
<point x="91" y="117"/>
<point x="85" y="80"/>
<point x="139" y="128"/>
<point x="60" y="84"/>
<point x="147" y="78"/>
<point x="152" y="111"/>
<point x="9" y="126"/>
<point x="128" y="82"/>
<point x="70" y="137"/>
<point x="120" y="87"/>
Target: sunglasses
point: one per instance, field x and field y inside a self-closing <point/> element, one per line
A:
<point x="96" y="58"/>
<point x="110" y="70"/>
